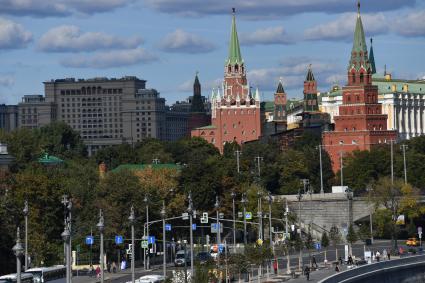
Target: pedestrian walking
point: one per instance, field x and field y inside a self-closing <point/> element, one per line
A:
<point x="307" y="272"/>
<point x="350" y="260"/>
<point x="98" y="272"/>
<point x="114" y="267"/>
<point x="340" y="260"/>
<point x="337" y="267"/>
<point x="389" y="255"/>
<point x="275" y="265"/>
<point x="314" y="262"/>
<point x="384" y="254"/>
<point x="108" y="267"/>
<point x="377" y="256"/>
<point x="91" y="271"/>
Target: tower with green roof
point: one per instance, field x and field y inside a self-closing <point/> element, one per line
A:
<point x="310" y="92"/>
<point x="360" y="124"/>
<point x="235" y="109"/>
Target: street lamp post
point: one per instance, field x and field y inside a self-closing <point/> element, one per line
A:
<point x="66" y="235"/>
<point x="404" y="147"/>
<point x="349" y="193"/>
<point x="244" y="201"/>
<point x="101" y="227"/>
<point x="270" y="220"/>
<point x="238" y="154"/>
<point x="25" y="211"/>
<point x="260" y="215"/>
<point x="164" y="257"/>
<point x="18" y="250"/>
<point x="217" y="207"/>
<point x="132" y="219"/>
<point x="234" y="219"/>
<point x="147" y="231"/>
<point x="288" y="263"/>
<point x="190" y="212"/>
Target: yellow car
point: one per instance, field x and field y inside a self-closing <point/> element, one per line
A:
<point x="412" y="242"/>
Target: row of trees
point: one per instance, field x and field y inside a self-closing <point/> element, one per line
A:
<point x="204" y="172"/>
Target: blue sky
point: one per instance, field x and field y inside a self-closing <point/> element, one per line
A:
<point x="167" y="41"/>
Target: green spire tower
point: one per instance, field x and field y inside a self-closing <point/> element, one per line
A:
<point x="372" y="58"/>
<point x="359" y="68"/>
<point x="235" y="56"/>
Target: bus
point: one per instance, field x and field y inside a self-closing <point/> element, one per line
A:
<point x="12" y="278"/>
<point x="44" y="274"/>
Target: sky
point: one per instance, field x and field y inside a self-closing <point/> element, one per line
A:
<point x="167" y="41"/>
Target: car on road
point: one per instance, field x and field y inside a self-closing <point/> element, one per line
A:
<point x="180" y="258"/>
<point x="151" y="279"/>
<point x="412" y="242"/>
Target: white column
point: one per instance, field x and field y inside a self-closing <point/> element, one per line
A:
<point x="404" y="115"/>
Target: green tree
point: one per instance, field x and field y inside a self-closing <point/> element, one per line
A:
<point x="325" y="243"/>
<point x="351" y="236"/>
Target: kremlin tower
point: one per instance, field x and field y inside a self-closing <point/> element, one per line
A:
<point x="235" y="110"/>
<point x="360" y="123"/>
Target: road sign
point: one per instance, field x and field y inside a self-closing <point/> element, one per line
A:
<point x="317" y="246"/>
<point x="151" y="239"/>
<point x="260" y="242"/>
<point x="89" y="240"/>
<point x="167" y="227"/>
<point x="419" y="229"/>
<point x="221" y="215"/>
<point x="145" y="244"/>
<point x="130" y="249"/>
<point x="248" y="215"/>
<point x="118" y="240"/>
<point x="185" y="216"/>
<point x="214" y="227"/>
<point x="240" y="214"/>
<point x="193" y="226"/>
<point x="204" y="220"/>
<point x="221" y="248"/>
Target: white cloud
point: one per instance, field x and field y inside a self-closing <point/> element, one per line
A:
<point x="412" y="24"/>
<point x="6" y="81"/>
<point x="343" y="27"/>
<point x="71" y="39"/>
<point x="13" y="35"/>
<point x="110" y="59"/>
<point x="58" y="8"/>
<point x="270" y="9"/>
<point x="339" y="79"/>
<point x="181" y="41"/>
<point x="270" y="35"/>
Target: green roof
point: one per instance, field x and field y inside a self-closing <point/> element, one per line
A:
<point x="47" y="159"/>
<point x="385" y="86"/>
<point x="234" y="48"/>
<point x="359" y="51"/>
<point x="139" y="167"/>
<point x="267" y="106"/>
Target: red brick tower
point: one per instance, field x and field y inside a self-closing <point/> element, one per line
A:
<point x="235" y="111"/>
<point x="360" y="123"/>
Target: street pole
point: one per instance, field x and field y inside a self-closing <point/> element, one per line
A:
<point x="147" y="230"/>
<point x="404" y="147"/>
<point x="238" y="154"/>
<point x="18" y="250"/>
<point x="25" y="211"/>
<point x="234" y="219"/>
<point x="288" y="263"/>
<point x="132" y="218"/>
<point x="371" y="228"/>
<point x="270" y="221"/>
<point x="65" y="236"/>
<point x="101" y="227"/>
<point x="190" y="212"/>
<point x="260" y="216"/>
<point x="164" y="246"/>
<point x="392" y="162"/>
<point x="321" y="169"/>
<point x="259" y="159"/>
<point x="244" y="201"/>
<point x="342" y="169"/>
<point x="217" y="207"/>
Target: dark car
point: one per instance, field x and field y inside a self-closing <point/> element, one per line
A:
<point x="203" y="257"/>
<point x="180" y="258"/>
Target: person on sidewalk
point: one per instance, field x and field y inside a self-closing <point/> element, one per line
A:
<point x="307" y="272"/>
<point x="114" y="267"/>
<point x="275" y="266"/>
<point x="314" y="262"/>
<point x="337" y="267"/>
<point x="98" y="272"/>
<point x="378" y="256"/>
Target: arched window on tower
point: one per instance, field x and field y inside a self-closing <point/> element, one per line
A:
<point x="361" y="78"/>
<point x="236" y="68"/>
<point x="229" y="69"/>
